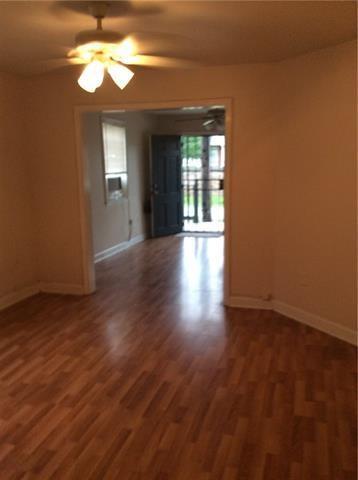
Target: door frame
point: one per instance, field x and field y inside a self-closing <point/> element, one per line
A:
<point x="84" y="198"/>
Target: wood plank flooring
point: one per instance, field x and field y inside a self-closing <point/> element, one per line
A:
<point x="152" y="378"/>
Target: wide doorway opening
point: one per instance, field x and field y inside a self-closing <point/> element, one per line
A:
<point x="154" y="173"/>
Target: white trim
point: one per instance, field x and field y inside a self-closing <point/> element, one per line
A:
<point x="294" y="313"/>
<point x="249" y="302"/>
<point x="14" y="297"/>
<point x="83" y="177"/>
<point x="316" y="321"/>
<point x="84" y="200"/>
<point x="227" y="196"/>
<point x="62" y="288"/>
<point x="109" y="252"/>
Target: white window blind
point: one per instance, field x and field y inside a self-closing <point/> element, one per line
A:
<point x="114" y="144"/>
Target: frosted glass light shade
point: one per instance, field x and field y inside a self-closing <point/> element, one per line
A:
<point x="120" y="74"/>
<point x="92" y="76"/>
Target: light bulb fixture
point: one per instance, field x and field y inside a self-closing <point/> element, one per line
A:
<point x="92" y="76"/>
<point x="120" y="74"/>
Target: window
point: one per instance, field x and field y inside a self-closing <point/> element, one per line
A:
<point x="115" y="159"/>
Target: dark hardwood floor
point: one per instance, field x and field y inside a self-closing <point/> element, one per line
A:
<point x="152" y="378"/>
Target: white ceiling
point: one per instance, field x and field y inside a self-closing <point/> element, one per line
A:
<point x="211" y="32"/>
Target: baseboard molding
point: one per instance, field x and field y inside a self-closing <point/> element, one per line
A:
<point x="248" y="302"/>
<point x="315" y="321"/>
<point x="17" y="296"/>
<point x="109" y="252"/>
<point x="302" y="316"/>
<point x="62" y="288"/>
<point x="294" y="313"/>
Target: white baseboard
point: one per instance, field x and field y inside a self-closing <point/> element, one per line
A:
<point x="62" y="288"/>
<point x="17" y="296"/>
<point x="249" y="302"/>
<point x="289" y="311"/>
<point x="109" y="252"/>
<point x="316" y="321"/>
<point x="294" y="313"/>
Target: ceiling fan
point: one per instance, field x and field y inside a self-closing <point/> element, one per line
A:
<point x="213" y="119"/>
<point x="107" y="50"/>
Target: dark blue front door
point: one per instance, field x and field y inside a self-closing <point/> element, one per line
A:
<point x="166" y="188"/>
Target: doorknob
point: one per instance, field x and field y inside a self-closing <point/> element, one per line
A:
<point x="155" y="190"/>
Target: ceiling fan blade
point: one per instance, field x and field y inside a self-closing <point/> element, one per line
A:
<point x="124" y="8"/>
<point x="155" y="43"/>
<point x="149" y="44"/>
<point x="55" y="63"/>
<point x="157" y="61"/>
<point x="210" y="121"/>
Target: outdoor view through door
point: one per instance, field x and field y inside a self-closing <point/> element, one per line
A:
<point x="187" y="183"/>
<point x="203" y="162"/>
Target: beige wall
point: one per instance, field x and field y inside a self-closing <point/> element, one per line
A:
<point x="17" y="269"/>
<point x="110" y="223"/>
<point x="293" y="212"/>
<point x="52" y="99"/>
<point x="315" y="185"/>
